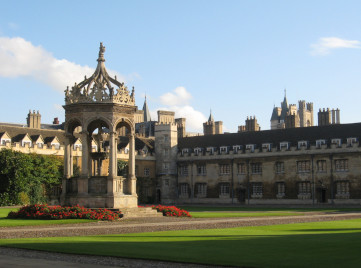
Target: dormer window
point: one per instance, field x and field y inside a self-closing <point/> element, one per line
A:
<point x="250" y="147"/>
<point x="185" y="151"/>
<point x="4" y="141"/>
<point x="236" y="148"/>
<point x="266" y="147"/>
<point x="319" y="143"/>
<point x="197" y="151"/>
<point x="284" y="145"/>
<point x="56" y="145"/>
<point x="210" y="150"/>
<point x="23" y="143"/>
<point x="224" y="149"/>
<point x="302" y="144"/>
<point x="336" y="142"/>
<point x="126" y="150"/>
<point x="77" y="146"/>
<point x="351" y="141"/>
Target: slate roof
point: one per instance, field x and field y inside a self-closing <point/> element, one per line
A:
<point x="292" y="135"/>
<point x="13" y="131"/>
<point x="139" y="143"/>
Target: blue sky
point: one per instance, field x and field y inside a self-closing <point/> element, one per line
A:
<point x="234" y="57"/>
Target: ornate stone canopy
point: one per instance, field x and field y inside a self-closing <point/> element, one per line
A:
<point x="100" y="87"/>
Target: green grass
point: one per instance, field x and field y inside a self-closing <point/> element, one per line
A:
<point x="4" y="222"/>
<point x="319" y="244"/>
<point x="265" y="209"/>
<point x="241" y="214"/>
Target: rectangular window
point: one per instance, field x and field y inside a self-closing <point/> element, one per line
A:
<point x="304" y="188"/>
<point x="185" y="151"/>
<point x="341" y="165"/>
<point x="166" y="138"/>
<point x="166" y="152"/>
<point x="302" y="144"/>
<point x="40" y="145"/>
<point x="351" y="141"/>
<point x="336" y="141"/>
<point x="224" y="169"/>
<point x="183" y="190"/>
<point x="242" y="168"/>
<point x="146" y="172"/>
<point x="224" y="149"/>
<point x="256" y="168"/>
<point x="236" y="148"/>
<point x="257" y="189"/>
<point x="197" y="151"/>
<point x="266" y="147"/>
<point x="303" y="166"/>
<point x="321" y="166"/>
<point x="224" y="189"/>
<point x="201" y="190"/>
<point x="342" y="189"/>
<point x="201" y="170"/>
<point x="284" y="145"/>
<point x="319" y="143"/>
<point x="250" y="147"/>
<point x="184" y="171"/>
<point x="281" y="189"/>
<point x="166" y="182"/>
<point x="280" y="167"/>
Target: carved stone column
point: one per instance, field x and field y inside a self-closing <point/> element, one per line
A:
<point x="85" y="154"/>
<point x="67" y="150"/>
<point x="112" y="155"/>
<point x="131" y="165"/>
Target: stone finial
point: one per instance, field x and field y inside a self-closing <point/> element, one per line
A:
<point x="101" y="52"/>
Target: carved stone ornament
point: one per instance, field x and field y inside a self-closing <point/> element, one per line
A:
<point x="99" y="87"/>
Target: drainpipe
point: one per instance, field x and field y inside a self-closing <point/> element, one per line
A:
<point x="248" y="186"/>
<point x="232" y="189"/>
<point x="192" y="186"/>
<point x="331" y="180"/>
<point x="313" y="181"/>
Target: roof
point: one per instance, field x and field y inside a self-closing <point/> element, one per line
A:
<point x="275" y="114"/>
<point x="139" y="143"/>
<point x="210" y="119"/>
<point x="13" y="131"/>
<point x="292" y="135"/>
<point x="146" y="111"/>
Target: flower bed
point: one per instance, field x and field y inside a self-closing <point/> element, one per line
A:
<point x="171" y="211"/>
<point x="46" y="212"/>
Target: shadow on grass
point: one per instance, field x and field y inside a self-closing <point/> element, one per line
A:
<point x="299" y="250"/>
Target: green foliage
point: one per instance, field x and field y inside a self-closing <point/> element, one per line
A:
<point x="26" y="178"/>
<point x="122" y="168"/>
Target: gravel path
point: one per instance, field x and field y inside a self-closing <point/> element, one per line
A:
<point x="135" y="225"/>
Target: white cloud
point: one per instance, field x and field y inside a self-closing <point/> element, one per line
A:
<point x="22" y="59"/>
<point x="178" y="102"/>
<point x="326" y="44"/>
<point x="180" y="97"/>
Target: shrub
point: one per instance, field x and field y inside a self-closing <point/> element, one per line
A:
<point x="171" y="211"/>
<point x="46" y="212"/>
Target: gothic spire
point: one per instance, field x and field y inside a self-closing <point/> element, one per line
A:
<point x="210" y="119"/>
<point x="146" y="111"/>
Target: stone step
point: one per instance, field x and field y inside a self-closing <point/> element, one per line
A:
<point x="140" y="212"/>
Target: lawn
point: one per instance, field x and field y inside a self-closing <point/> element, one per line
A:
<point x="265" y="209"/>
<point x="4" y="222"/>
<point x="319" y="244"/>
<point x="222" y="214"/>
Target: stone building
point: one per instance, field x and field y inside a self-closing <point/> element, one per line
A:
<point x="288" y="116"/>
<point x="294" y="163"/>
<point x="212" y="127"/>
